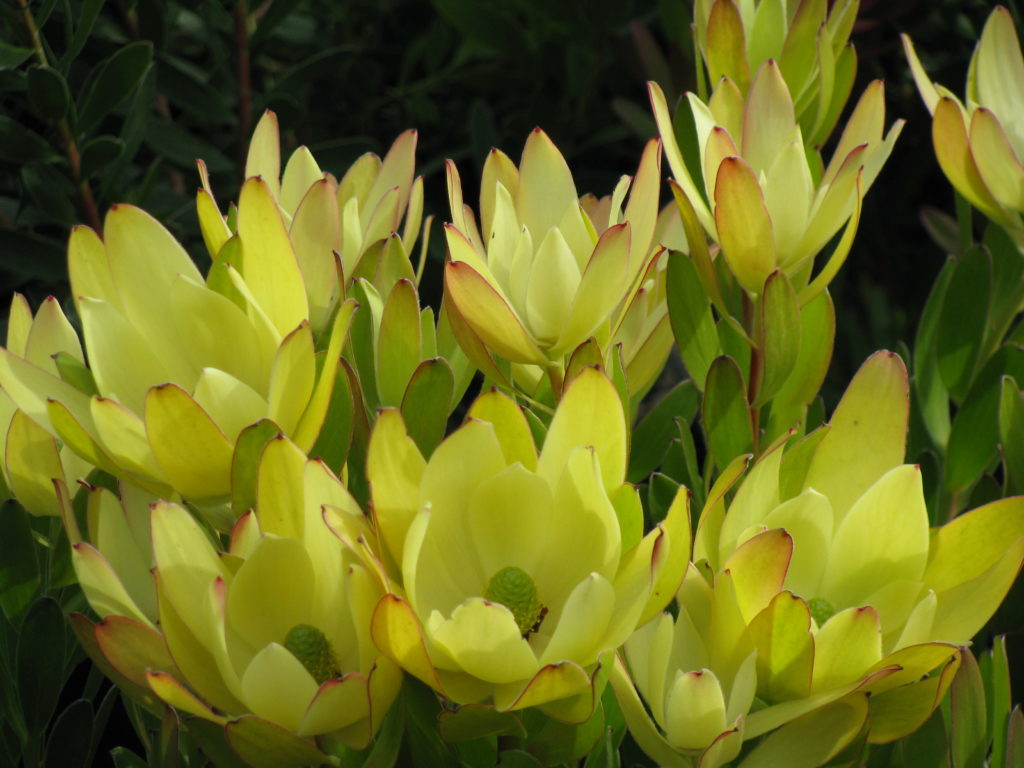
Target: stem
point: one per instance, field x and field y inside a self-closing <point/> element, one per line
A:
<point x="243" y="74"/>
<point x="555" y="376"/>
<point x="751" y="324"/>
<point x="963" y="220"/>
<point x="85" y="197"/>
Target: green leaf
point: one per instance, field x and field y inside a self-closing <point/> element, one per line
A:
<point x="586" y="355"/>
<point x="398" y="343"/>
<point x="967" y="715"/>
<point x="427" y="402"/>
<point x="275" y="13"/>
<point x="48" y="92"/>
<point x="656" y="430"/>
<point x="779" y="338"/>
<point x="210" y="737"/>
<point x="362" y="348"/>
<point x="690" y="313"/>
<point x="18" y="565"/>
<point x="168" y="139"/>
<point x="1015" y="740"/>
<point x="332" y="444"/>
<point x="516" y="758"/>
<point x="422" y="708"/>
<point x="685" y="128"/>
<point x="12" y="55"/>
<point x="1007" y="280"/>
<point x="661" y="490"/>
<point x="553" y="742"/>
<point x="932" y="396"/>
<point x="100" y="152"/>
<point x="189" y="87"/>
<point x="19" y="144"/>
<point x="86" y="18"/>
<point x="70" y="740"/>
<point x="125" y="758"/>
<point x="388" y="741"/>
<point x="74" y="372"/>
<point x="963" y="319"/>
<point x="735" y="343"/>
<point x="1011" y="427"/>
<point x="926" y="747"/>
<point x="245" y="463"/>
<point x="726" y="414"/>
<point x="680" y="463"/>
<point x="943" y="230"/>
<point x="117" y="77"/>
<point x="472" y="721"/>
<point x="998" y="700"/>
<point x="51" y="192"/>
<point x="40" y="662"/>
<point x="817" y="334"/>
<point x="263" y="744"/>
<point x="975" y="431"/>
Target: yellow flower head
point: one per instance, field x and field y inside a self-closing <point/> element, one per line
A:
<point x="980" y="143"/>
<point x="274" y="629"/>
<point x="541" y="272"/>
<point x="755" y="191"/>
<point x="515" y="573"/>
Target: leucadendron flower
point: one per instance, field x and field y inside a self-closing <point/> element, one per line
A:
<point x="268" y="639"/>
<point x="868" y="585"/>
<point x="513" y="575"/>
<point x="31" y="458"/>
<point x="766" y="201"/>
<point x="179" y="363"/>
<point x="538" y="276"/>
<point x="980" y="142"/>
<point x="809" y="40"/>
<point x="697" y="673"/>
<point x="333" y="226"/>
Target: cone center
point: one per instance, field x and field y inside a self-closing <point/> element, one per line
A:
<point x="513" y="588"/>
<point x="310" y="646"/>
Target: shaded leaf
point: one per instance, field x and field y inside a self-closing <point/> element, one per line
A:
<point x="40" y="662"/>
<point x="726" y="415"/>
<point x="114" y="82"/>
<point x="48" y="92"/>
<point x="962" y="320"/>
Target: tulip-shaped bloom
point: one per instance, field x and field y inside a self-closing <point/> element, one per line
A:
<point x="270" y="636"/>
<point x="869" y="585"/>
<point x="758" y="197"/>
<point x="324" y="217"/>
<point x="698" y="672"/>
<point x="515" y="574"/>
<point x="809" y="40"/>
<point x="179" y="364"/>
<point x="31" y="458"/>
<point x="980" y="144"/>
<point x="538" y="276"/>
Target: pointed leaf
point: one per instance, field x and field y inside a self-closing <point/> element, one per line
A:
<point x="427" y="402"/>
<point x="725" y="413"/>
